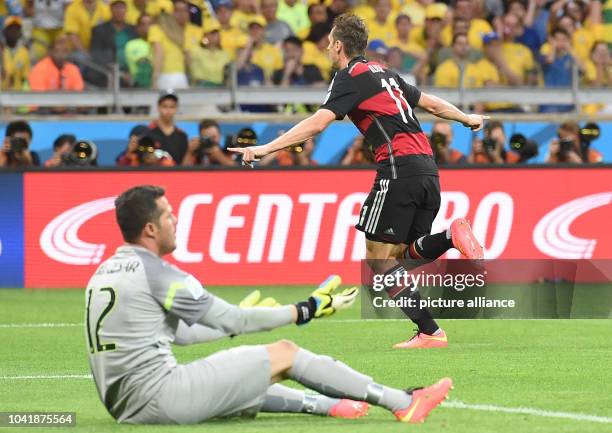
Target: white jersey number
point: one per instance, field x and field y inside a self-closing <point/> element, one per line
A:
<point x="392" y="85"/>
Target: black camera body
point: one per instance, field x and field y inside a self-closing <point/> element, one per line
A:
<point x="438" y="140"/>
<point x="489" y="144"/>
<point x="566" y="145"/>
<point x="18" y="144"/>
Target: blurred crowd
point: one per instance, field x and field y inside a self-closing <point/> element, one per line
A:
<point x="163" y="144"/>
<point x="74" y="44"/>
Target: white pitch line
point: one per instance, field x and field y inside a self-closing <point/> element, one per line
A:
<point x="39" y="325"/>
<point x="53" y="376"/>
<point x="455" y="404"/>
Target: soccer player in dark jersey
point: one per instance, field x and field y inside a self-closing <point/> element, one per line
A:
<point x="398" y="213"/>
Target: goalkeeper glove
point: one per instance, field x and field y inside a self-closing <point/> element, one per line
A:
<point x="253" y="299"/>
<point x="323" y="303"/>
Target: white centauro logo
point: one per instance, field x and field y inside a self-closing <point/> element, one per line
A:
<point x="60" y="241"/>
<point x="552" y="233"/>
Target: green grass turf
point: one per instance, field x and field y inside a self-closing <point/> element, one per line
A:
<point x="550" y="365"/>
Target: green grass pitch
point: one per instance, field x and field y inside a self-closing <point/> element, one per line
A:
<point x="547" y="365"/>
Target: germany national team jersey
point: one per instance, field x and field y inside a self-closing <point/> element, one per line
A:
<point x="380" y="104"/>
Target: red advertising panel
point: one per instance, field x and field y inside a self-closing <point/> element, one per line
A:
<point x="294" y="227"/>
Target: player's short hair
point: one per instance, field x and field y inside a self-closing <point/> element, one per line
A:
<point x="352" y="32"/>
<point x="135" y="208"/>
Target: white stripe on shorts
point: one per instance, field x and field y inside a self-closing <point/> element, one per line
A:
<point x="385" y="185"/>
<point x="373" y="209"/>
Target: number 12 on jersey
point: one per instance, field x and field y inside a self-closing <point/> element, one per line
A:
<point x="392" y="85"/>
<point x="93" y="338"/>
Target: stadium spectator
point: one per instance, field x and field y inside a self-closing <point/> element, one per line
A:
<point x="232" y="37"/>
<point x="171" y="39"/>
<point x="208" y="150"/>
<point x="268" y="57"/>
<point x="245" y="11"/>
<point x="250" y="74"/>
<point x="521" y="66"/>
<point x="416" y="11"/>
<point x="582" y="37"/>
<point x="15" y="149"/>
<point x="108" y="42"/>
<point x="276" y="30"/>
<point x="167" y="135"/>
<point x="377" y="51"/>
<point x="152" y="8"/>
<point x="208" y="59"/>
<point x="568" y="147"/>
<point x="139" y="55"/>
<point x="402" y="40"/>
<point x="358" y="153"/>
<point x="62" y="146"/>
<point x="526" y="35"/>
<point x="429" y="36"/>
<point x="335" y="8"/>
<point x="490" y="150"/>
<point x="317" y="13"/>
<point x="441" y="139"/>
<point x="295" y="72"/>
<point x="465" y="9"/>
<point x="55" y="72"/>
<point x="557" y="66"/>
<point x="48" y="21"/>
<point x="15" y="65"/>
<point x="80" y="18"/>
<point x="315" y="49"/>
<point x="382" y="26"/>
<point x="294" y="13"/>
<point x="298" y="155"/>
<point x="598" y="72"/>
<point x="450" y="72"/>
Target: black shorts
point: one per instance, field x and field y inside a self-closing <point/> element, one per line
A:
<point x="400" y="210"/>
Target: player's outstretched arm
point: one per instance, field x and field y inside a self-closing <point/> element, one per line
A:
<point x="444" y="109"/>
<point x="304" y="130"/>
<point x="234" y="320"/>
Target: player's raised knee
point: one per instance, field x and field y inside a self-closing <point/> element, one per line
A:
<point x="287" y="346"/>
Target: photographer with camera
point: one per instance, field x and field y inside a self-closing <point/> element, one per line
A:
<point x="490" y="150"/>
<point x="206" y="148"/>
<point x="572" y="144"/>
<point x="142" y="150"/>
<point x="15" y="150"/>
<point x="441" y="139"/>
<point x="62" y="146"/>
<point x="359" y="153"/>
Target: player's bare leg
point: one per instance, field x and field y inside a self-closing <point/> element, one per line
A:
<point x="337" y="380"/>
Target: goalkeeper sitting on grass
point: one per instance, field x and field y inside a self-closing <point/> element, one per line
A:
<point x="138" y="304"/>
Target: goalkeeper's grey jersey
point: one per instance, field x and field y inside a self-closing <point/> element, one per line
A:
<point x="134" y="303"/>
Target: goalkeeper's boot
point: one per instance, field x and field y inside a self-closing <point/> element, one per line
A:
<point x="349" y="409"/>
<point x="464" y="240"/>
<point x="424" y="341"/>
<point x="424" y="400"/>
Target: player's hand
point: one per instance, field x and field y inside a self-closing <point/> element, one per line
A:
<point x="253" y="299"/>
<point x="323" y="302"/>
<point x="249" y="154"/>
<point x="475" y="121"/>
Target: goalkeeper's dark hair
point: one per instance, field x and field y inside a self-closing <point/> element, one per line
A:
<point x="137" y="207"/>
